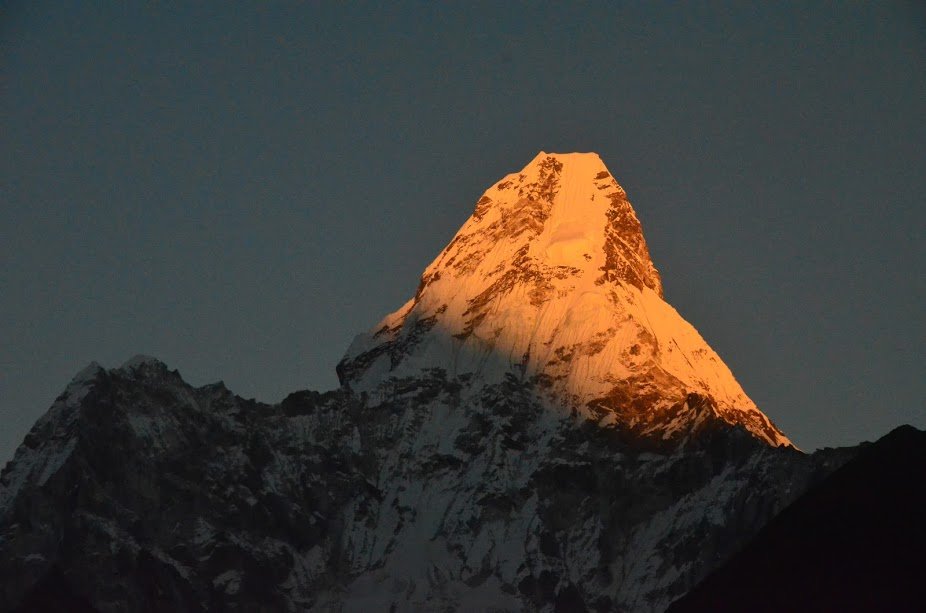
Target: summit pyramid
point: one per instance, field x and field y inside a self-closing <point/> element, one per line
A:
<point x="550" y="281"/>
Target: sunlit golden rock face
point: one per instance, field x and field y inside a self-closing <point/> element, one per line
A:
<point x="551" y="280"/>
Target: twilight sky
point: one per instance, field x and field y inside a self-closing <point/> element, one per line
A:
<point x="239" y="192"/>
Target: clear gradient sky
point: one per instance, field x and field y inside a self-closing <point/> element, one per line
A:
<point x="240" y="191"/>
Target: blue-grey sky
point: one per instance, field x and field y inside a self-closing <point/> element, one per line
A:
<point x="240" y="190"/>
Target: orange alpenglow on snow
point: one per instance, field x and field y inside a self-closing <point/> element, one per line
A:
<point x="551" y="280"/>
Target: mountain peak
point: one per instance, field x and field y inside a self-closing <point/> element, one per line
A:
<point x="573" y="213"/>
<point x="87" y="373"/>
<point x="550" y="280"/>
<point x="589" y="158"/>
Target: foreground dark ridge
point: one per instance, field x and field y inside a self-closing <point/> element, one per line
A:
<point x="853" y="543"/>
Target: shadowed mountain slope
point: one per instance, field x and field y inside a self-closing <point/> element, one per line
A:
<point x="855" y="542"/>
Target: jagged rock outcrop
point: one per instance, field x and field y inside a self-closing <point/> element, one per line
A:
<point x="537" y="429"/>
<point x="143" y="493"/>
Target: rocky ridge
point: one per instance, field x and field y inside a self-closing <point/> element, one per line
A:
<point x="139" y="492"/>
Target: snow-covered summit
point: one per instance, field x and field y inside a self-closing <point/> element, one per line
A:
<point x="551" y="280"/>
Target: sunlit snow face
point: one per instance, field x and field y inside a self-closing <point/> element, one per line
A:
<point x="550" y="277"/>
